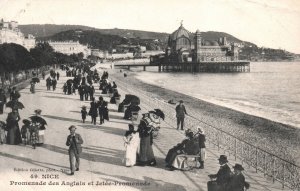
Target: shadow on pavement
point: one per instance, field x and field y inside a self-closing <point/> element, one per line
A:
<point x="34" y="162"/>
<point x="106" y="129"/>
<point x="62" y="118"/>
<point x="58" y="97"/>
<point x="98" y="154"/>
<point x="150" y="183"/>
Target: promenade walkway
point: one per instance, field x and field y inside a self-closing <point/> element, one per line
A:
<point x="103" y="151"/>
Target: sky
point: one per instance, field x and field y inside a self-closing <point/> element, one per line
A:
<point x="267" y="23"/>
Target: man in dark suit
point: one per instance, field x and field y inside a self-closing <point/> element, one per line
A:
<point x="223" y="175"/>
<point x="74" y="142"/>
<point x="180" y="114"/>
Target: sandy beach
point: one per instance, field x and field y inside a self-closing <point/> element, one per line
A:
<point x="279" y="139"/>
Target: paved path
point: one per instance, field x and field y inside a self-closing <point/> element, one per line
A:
<point x="103" y="151"/>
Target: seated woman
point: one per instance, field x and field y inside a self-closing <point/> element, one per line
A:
<point x="175" y="158"/>
<point x="115" y="95"/>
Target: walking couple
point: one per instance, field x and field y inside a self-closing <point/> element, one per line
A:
<point x="138" y="143"/>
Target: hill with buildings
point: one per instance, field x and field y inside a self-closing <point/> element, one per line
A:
<point x="106" y="39"/>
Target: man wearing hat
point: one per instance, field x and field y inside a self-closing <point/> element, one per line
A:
<point x="223" y="175"/>
<point x="237" y="180"/>
<point x="74" y="142"/>
<point x="180" y="114"/>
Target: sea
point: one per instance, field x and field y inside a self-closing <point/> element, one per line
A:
<point x="270" y="90"/>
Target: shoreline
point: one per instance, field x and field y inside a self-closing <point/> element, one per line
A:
<point x="272" y="136"/>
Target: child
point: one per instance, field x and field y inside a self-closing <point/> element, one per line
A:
<point x="131" y="142"/>
<point x="83" y="113"/>
<point x="25" y="132"/>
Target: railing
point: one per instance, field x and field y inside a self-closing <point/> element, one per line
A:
<point x="287" y="173"/>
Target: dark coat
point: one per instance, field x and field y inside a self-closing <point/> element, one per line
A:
<point x="237" y="183"/>
<point x="13" y="133"/>
<point x="93" y="110"/>
<point x="201" y="140"/>
<point x="223" y="176"/>
<point x="180" y="111"/>
<point x="74" y="143"/>
<point x="14" y="95"/>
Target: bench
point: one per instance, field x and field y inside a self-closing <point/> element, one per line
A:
<point x="189" y="161"/>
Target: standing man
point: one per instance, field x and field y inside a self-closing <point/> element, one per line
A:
<point x="180" y="114"/>
<point x="74" y="142"/>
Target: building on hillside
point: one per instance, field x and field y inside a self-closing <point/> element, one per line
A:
<point x="10" y="33"/>
<point x="124" y="48"/>
<point x="70" y="47"/>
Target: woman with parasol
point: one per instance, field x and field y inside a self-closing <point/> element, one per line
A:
<point x="38" y="126"/>
<point x="13" y="131"/>
<point x="149" y="123"/>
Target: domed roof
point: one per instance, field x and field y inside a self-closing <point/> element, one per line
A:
<point x="180" y="32"/>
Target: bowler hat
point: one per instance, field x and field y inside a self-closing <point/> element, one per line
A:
<point x="223" y="158"/>
<point x="238" y="167"/>
<point x="72" y="126"/>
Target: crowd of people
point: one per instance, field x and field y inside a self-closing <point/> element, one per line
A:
<point x="138" y="139"/>
<point x="33" y="129"/>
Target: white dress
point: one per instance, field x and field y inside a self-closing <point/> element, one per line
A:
<point x="132" y="143"/>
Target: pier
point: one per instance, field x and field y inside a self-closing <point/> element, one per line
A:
<point x="213" y="67"/>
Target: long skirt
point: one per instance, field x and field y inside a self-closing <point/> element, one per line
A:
<point x="14" y="136"/>
<point x="132" y="149"/>
<point x="146" y="151"/>
<point x="180" y="162"/>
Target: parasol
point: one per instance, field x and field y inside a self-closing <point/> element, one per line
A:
<point x="38" y="119"/>
<point x="15" y="104"/>
<point x="35" y="80"/>
<point x="132" y="99"/>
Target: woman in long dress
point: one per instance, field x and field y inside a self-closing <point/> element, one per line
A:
<point x="132" y="142"/>
<point x="13" y="133"/>
<point x="149" y="122"/>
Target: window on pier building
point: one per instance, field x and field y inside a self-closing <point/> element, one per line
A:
<point x="183" y="43"/>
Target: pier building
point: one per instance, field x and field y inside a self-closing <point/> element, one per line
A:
<point x="188" y="51"/>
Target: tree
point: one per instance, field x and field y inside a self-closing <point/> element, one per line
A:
<point x="43" y="54"/>
<point x="14" y="57"/>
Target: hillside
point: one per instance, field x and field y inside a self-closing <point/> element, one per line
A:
<point x="109" y="38"/>
<point x="49" y="30"/>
